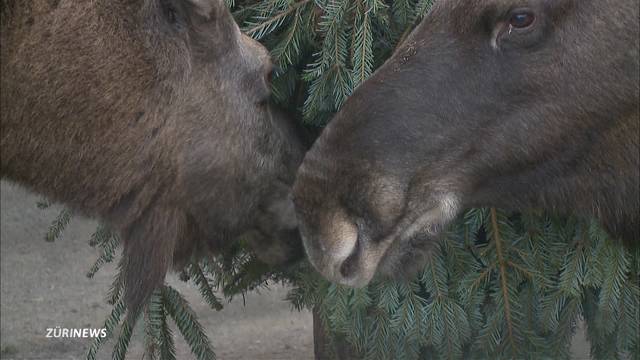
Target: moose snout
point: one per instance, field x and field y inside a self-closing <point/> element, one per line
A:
<point x="341" y="251"/>
<point x="338" y="251"/>
<point x="335" y="238"/>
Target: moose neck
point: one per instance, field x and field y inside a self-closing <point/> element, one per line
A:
<point x="601" y="183"/>
<point x="606" y="185"/>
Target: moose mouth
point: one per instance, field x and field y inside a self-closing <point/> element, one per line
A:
<point x="406" y="257"/>
<point x="402" y="259"/>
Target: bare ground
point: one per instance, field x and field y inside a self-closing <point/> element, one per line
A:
<point x="43" y="285"/>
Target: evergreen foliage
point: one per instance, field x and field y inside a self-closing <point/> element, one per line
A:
<point x="234" y="273"/>
<point x="498" y="285"/>
<point x="325" y="49"/>
<point x="58" y="225"/>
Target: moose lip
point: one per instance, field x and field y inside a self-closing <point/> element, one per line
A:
<point x="409" y="248"/>
<point x="353" y="270"/>
<point x="406" y="245"/>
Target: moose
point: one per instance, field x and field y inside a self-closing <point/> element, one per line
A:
<point x="153" y="116"/>
<point x="487" y="103"/>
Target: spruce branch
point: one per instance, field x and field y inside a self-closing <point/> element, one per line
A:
<point x="167" y="346"/>
<point x="122" y="344"/>
<point x="184" y="317"/>
<point x="204" y="285"/>
<point x="502" y="264"/>
<point x="108" y="247"/>
<point x="110" y="323"/>
<point x="43" y="203"/>
<point x="58" y="225"/>
<point x="117" y="286"/>
<point x="258" y="31"/>
<point x="100" y="236"/>
<point x="362" y="57"/>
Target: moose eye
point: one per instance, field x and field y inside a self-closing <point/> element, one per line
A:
<point x="521" y="19"/>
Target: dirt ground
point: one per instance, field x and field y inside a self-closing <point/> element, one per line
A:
<point x="43" y="285"/>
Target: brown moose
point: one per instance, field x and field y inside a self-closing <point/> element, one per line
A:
<point x="505" y="103"/>
<point x="153" y="116"/>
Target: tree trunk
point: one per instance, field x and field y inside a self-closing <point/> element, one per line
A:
<point x="327" y="347"/>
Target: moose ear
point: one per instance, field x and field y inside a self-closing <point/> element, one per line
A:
<point x="209" y="8"/>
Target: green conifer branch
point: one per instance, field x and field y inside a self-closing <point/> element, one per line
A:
<point x="58" y="225"/>
<point x="206" y="289"/>
<point x="260" y="30"/>
<point x="184" y="317"/>
<point x="122" y="344"/>
<point x="502" y="265"/>
<point x="110" y="323"/>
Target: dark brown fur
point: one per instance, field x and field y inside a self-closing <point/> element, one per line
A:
<point x="151" y="115"/>
<point x="469" y="112"/>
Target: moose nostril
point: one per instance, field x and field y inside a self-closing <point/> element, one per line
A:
<point x="269" y="69"/>
<point x="350" y="264"/>
<point x="268" y="77"/>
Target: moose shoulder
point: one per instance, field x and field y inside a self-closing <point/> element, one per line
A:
<point x="152" y="115"/>
<point x="504" y="103"/>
